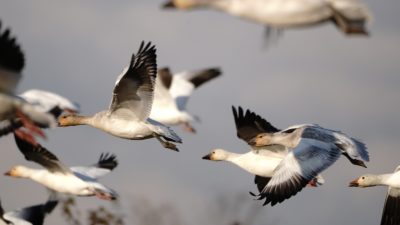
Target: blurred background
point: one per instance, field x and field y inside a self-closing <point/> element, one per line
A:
<point x="314" y="75"/>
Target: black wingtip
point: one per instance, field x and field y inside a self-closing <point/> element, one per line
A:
<point x="107" y="161"/>
<point x="11" y="55"/>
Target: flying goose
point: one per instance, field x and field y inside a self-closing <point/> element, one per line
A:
<point x="312" y="149"/>
<point x="349" y="16"/>
<point x="12" y="62"/>
<point x="172" y="93"/>
<point x="391" y="210"/>
<point x="43" y="101"/>
<point x="32" y="215"/>
<point x="81" y="181"/>
<point x="127" y="116"/>
<point x="260" y="161"/>
<point x="47" y="101"/>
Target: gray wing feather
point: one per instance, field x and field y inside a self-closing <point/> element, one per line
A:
<point x="12" y="61"/>
<point x="300" y="166"/>
<point x="133" y="92"/>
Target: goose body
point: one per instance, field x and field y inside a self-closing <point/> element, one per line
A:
<point x="80" y="181"/>
<point x="125" y="128"/>
<point x="128" y="114"/>
<point x="253" y="162"/>
<point x="349" y="15"/>
<point x="391" y="209"/>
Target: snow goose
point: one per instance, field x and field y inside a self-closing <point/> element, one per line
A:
<point x="349" y="16"/>
<point x="312" y="149"/>
<point x="127" y="116"/>
<point x="81" y="181"/>
<point x="12" y="62"/>
<point x="391" y="210"/>
<point x="43" y="101"/>
<point x="172" y="93"/>
<point x="47" y="101"/>
<point x="260" y="161"/>
<point x="32" y="215"/>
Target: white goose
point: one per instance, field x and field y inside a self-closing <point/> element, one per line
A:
<point x="47" y="101"/>
<point x="312" y="149"/>
<point x="12" y="62"/>
<point x="43" y="101"/>
<point x="348" y="15"/>
<point x="127" y="116"/>
<point x="32" y="215"/>
<point x="391" y="210"/>
<point x="260" y="161"/>
<point x="172" y="93"/>
<point x="81" y="181"/>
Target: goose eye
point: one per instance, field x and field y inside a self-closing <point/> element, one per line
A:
<point x="363" y="178"/>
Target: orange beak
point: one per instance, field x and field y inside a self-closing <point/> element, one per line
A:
<point x="354" y="183"/>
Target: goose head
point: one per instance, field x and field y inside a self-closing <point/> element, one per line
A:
<point x="261" y="139"/>
<point x="366" y="180"/>
<point x="217" y="155"/>
<point x="18" y="171"/>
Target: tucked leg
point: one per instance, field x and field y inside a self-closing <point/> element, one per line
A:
<point x="166" y="144"/>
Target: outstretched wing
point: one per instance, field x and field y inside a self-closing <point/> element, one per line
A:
<point x="107" y="162"/>
<point x="296" y="170"/>
<point x="47" y="101"/>
<point x="184" y="83"/>
<point x="34" y="214"/>
<point x="133" y="92"/>
<point x="249" y="124"/>
<point x="40" y="155"/>
<point x="12" y="61"/>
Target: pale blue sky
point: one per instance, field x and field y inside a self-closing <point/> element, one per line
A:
<point x="313" y="75"/>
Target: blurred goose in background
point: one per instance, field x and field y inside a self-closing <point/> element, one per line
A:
<point x="312" y="149"/>
<point x="45" y="102"/>
<point x="12" y="62"/>
<point x="172" y="93"/>
<point x="349" y="16"/>
<point x="261" y="161"/>
<point x="391" y="210"/>
<point x="81" y="181"/>
<point x="32" y="215"/>
<point x="127" y="116"/>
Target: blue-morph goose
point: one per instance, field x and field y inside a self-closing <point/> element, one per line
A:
<point x="43" y="101"/>
<point x="127" y="116"/>
<point x="349" y="16"/>
<point x="312" y="149"/>
<point x="172" y="93"/>
<point x="391" y="210"/>
<point x="80" y="181"/>
<point x="12" y="107"/>
<point x="260" y="161"/>
<point x="32" y="215"/>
